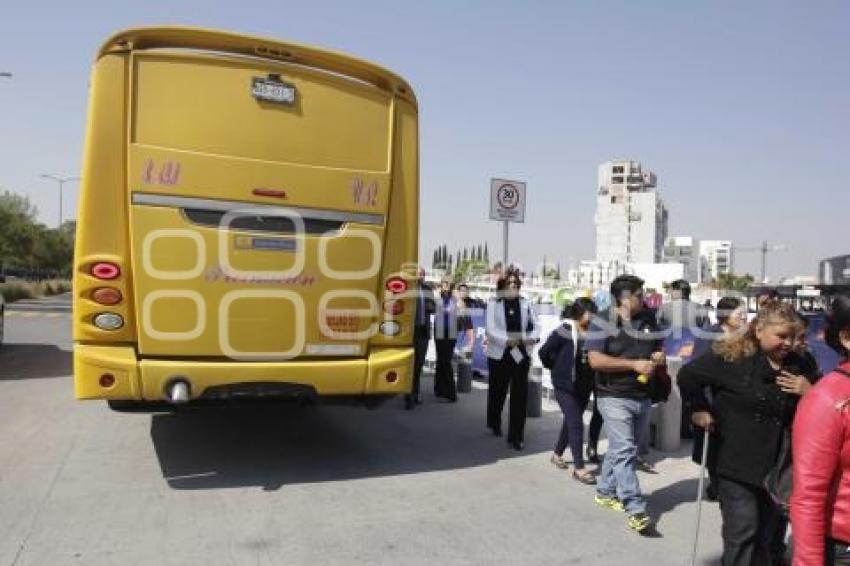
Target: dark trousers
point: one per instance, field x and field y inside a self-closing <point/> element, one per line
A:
<point x="506" y="374"/>
<point x="444" y="379"/>
<point x="837" y="553"/>
<point x="751" y="533"/>
<point x="595" y="428"/>
<point x="420" y="350"/>
<point x="572" y="429"/>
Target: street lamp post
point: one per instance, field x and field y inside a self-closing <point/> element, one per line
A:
<point x="61" y="180"/>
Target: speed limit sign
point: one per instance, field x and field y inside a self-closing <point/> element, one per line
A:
<point x="507" y="200"/>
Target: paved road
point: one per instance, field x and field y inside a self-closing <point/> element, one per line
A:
<point x="80" y="484"/>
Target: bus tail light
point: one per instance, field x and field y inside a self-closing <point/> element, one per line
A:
<point x="396" y="285"/>
<point x="105" y="270"/>
<point x="390" y="328"/>
<point x="108" y="321"/>
<point x="107" y="296"/>
<point x="393" y="307"/>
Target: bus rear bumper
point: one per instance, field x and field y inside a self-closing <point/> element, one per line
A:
<point x="116" y="373"/>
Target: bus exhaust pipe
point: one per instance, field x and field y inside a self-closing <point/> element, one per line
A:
<point x="178" y="393"/>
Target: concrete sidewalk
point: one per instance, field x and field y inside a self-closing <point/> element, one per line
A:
<point x="80" y="484"/>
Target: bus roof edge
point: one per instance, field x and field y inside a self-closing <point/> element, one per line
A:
<point x="272" y="49"/>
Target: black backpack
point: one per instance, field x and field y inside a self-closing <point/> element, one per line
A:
<point x="548" y="356"/>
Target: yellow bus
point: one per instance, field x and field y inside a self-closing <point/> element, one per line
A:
<point x="248" y="223"/>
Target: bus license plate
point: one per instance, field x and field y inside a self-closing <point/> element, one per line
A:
<point x="272" y="91"/>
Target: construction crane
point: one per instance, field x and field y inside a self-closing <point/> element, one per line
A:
<point x="764" y="248"/>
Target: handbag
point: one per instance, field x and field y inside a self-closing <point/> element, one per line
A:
<point x="778" y="481"/>
<point x="660" y="385"/>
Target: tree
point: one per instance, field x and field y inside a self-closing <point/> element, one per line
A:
<point x="26" y="245"/>
<point x="733" y="282"/>
<point x="551" y="272"/>
<point x="17" y="230"/>
<point x="466" y="269"/>
<point x="486" y="254"/>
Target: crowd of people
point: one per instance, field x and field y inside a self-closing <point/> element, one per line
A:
<point x="778" y="432"/>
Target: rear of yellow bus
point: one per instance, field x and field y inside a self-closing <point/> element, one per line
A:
<point x="247" y="226"/>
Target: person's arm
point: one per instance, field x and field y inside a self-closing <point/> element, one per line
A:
<point x="430" y="301"/>
<point x="496" y="336"/>
<point x="599" y="360"/>
<point x="532" y="335"/>
<point x="817" y="438"/>
<point x="609" y="364"/>
<point x="596" y="343"/>
<point x="469" y="343"/>
<point x="697" y="374"/>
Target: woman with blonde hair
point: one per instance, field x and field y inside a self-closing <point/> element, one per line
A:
<point x="755" y="381"/>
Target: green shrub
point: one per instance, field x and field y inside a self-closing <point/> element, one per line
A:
<point x="16" y="291"/>
<point x="62" y="286"/>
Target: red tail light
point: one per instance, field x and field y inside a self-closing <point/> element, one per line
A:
<point x="270" y="193"/>
<point x="107" y="380"/>
<point x="107" y="296"/>
<point x="105" y="270"/>
<point x="396" y="285"/>
<point x="392" y="377"/>
<point x="394" y="307"/>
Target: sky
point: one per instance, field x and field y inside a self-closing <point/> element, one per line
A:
<point x="741" y="108"/>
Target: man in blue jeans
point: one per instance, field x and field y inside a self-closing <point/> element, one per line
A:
<point x="624" y="345"/>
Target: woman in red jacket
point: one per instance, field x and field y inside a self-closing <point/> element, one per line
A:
<point x="820" y="503"/>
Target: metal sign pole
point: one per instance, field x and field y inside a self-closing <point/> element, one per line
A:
<point x="505" y="245"/>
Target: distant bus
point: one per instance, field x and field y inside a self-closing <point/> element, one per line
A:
<point x="248" y="223"/>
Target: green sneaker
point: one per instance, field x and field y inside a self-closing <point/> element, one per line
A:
<point x="639" y="522"/>
<point x="609" y="502"/>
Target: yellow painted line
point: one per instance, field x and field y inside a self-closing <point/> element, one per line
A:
<point x="33" y="314"/>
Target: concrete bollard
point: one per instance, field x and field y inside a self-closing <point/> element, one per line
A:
<point x="534" y="407"/>
<point x="464" y="374"/>
<point x="669" y="414"/>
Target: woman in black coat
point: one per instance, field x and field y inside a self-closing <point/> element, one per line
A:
<point x="572" y="378"/>
<point x="731" y="322"/>
<point x="755" y="384"/>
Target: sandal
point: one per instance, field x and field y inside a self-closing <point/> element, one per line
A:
<point x="584" y="477"/>
<point x="559" y="462"/>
